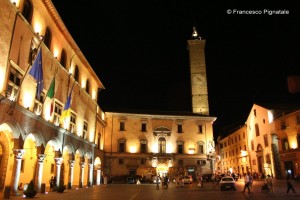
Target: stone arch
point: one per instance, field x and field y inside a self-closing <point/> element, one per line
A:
<point x="14" y="128"/>
<point x="29" y="159"/>
<point x="6" y="153"/>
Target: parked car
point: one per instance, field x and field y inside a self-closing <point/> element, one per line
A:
<point x="227" y="183"/>
<point x="187" y="179"/>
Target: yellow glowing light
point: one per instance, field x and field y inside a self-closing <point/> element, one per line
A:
<point x="154" y="147"/>
<point x="244" y="153"/>
<point x="27" y="100"/>
<point x="94" y="94"/>
<point x="191" y="151"/>
<point x="38" y="27"/>
<point x="294" y="145"/>
<point x="55" y="52"/>
<point x="102" y="115"/>
<point x="270" y="116"/>
<point x="169" y="147"/>
<point x="83" y="82"/>
<point x="132" y="149"/>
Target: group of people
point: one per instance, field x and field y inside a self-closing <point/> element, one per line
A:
<point x="248" y="180"/>
<point x="164" y="181"/>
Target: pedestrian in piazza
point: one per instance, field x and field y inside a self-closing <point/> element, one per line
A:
<point x="270" y="182"/>
<point x="247" y="183"/>
<point x="289" y="185"/>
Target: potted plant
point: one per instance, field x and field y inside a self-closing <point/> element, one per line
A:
<point x="30" y="192"/>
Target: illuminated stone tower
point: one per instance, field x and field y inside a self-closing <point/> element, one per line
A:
<point x="196" y="48"/>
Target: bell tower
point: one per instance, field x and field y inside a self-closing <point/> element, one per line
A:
<point x="196" y="48"/>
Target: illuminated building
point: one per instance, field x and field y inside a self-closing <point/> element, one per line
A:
<point x="147" y="143"/>
<point x="34" y="143"/>
<point x="270" y="142"/>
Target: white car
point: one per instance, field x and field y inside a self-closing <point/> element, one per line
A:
<point x="227" y="183"/>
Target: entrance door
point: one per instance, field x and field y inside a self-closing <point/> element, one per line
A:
<point x="289" y="170"/>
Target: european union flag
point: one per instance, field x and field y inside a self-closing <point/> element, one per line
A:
<point x="37" y="72"/>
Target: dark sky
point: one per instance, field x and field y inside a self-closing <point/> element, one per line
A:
<point x="139" y="51"/>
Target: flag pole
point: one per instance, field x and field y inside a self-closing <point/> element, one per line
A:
<point x="13" y="105"/>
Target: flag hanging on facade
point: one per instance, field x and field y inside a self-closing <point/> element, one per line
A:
<point x="67" y="109"/>
<point x="50" y="94"/>
<point x="37" y="73"/>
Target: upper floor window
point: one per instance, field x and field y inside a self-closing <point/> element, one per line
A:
<point x="38" y="104"/>
<point x="144" y="127"/>
<point x="57" y="113"/>
<point x="283" y="125"/>
<point x="254" y="112"/>
<point x="143" y="146"/>
<point x="122" y="146"/>
<point x="180" y="147"/>
<point x="63" y="58"/>
<point x="85" y="128"/>
<point x="252" y="145"/>
<point x="200" y="128"/>
<point x="99" y="140"/>
<point x="266" y="140"/>
<point x="122" y="126"/>
<point x="47" y="38"/>
<point x="72" y="127"/>
<point x="87" y="86"/>
<point x="76" y="73"/>
<point x="200" y="148"/>
<point x="14" y="83"/>
<point x="161" y="145"/>
<point x="257" y="129"/>
<point x="27" y="11"/>
<point x="179" y="128"/>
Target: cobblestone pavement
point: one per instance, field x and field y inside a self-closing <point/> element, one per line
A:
<point x="149" y="192"/>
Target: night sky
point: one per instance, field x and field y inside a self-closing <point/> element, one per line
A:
<point x="139" y="51"/>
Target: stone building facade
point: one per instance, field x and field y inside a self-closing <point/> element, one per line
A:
<point x="146" y="144"/>
<point x="35" y="142"/>
<point x="271" y="143"/>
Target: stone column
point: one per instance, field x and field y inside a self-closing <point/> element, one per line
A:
<point x="40" y="163"/>
<point x="58" y="162"/>
<point x="90" y="180"/>
<point x="71" y="173"/>
<point x="18" y="159"/>
<point x="82" y="174"/>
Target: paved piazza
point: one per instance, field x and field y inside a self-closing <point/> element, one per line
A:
<point x="149" y="192"/>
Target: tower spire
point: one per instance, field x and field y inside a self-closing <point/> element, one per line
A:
<point x="195" y="34"/>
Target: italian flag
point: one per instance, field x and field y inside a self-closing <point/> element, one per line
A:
<point x="50" y="95"/>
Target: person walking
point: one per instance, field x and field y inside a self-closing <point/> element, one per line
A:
<point x="247" y="183"/>
<point x="51" y="183"/>
<point x="289" y="185"/>
<point x="270" y="183"/>
<point x="157" y="182"/>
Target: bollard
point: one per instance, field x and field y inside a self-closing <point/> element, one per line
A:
<point x="43" y="188"/>
<point x="6" y="192"/>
